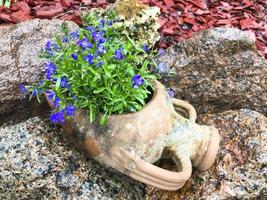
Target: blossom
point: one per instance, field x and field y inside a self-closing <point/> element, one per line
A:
<point x="22" y="88"/>
<point x="84" y="43"/>
<point x="74" y="35"/>
<point x="74" y="56"/>
<point x="70" y="110"/>
<point x="98" y="37"/>
<point x="146" y="48"/>
<point x="102" y="21"/>
<point x="64" y="83"/>
<point x="101" y="48"/>
<point x="170" y="92"/>
<point x="89" y="58"/>
<point x="57" y="117"/>
<point x="34" y="92"/>
<point x="119" y="54"/>
<point x="90" y="28"/>
<point x="50" y="94"/>
<point x="137" y="81"/>
<point x="99" y="63"/>
<point x="50" y="69"/>
<point x="162" y="67"/>
<point x="56" y="102"/>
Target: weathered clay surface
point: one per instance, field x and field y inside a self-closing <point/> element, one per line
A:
<point x="240" y="169"/>
<point x="37" y="162"/>
<point x="20" y="46"/>
<point x="219" y="69"/>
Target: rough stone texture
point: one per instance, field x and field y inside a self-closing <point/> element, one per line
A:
<point x="240" y="170"/>
<point x="37" y="162"/>
<point x="20" y="46"/>
<point x="219" y="69"/>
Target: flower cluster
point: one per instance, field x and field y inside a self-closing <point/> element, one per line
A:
<point x="95" y="69"/>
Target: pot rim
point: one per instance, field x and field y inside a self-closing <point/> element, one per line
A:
<point x="157" y="87"/>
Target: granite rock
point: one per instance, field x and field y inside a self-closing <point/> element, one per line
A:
<point x="21" y="45"/>
<point x="38" y="162"/>
<point x="240" y="170"/>
<point x="218" y="69"/>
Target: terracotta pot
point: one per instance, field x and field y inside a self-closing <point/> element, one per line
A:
<point x="131" y="143"/>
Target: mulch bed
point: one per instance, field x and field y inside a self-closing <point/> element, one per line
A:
<point x="179" y="19"/>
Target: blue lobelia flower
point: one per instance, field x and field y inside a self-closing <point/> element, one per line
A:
<point x="74" y="56"/>
<point x="22" y="88"/>
<point x="163" y="68"/>
<point x="146" y="48"/>
<point x="74" y="35"/>
<point x="89" y="58"/>
<point x="65" y="40"/>
<point x="84" y="43"/>
<point x="101" y="48"/>
<point x="102" y="21"/>
<point x="50" y="48"/>
<point x="70" y="110"/>
<point x="170" y="92"/>
<point x="98" y="37"/>
<point x="137" y="81"/>
<point x="64" y="82"/>
<point x="90" y="28"/>
<point x="50" y="69"/>
<point x="119" y="54"/>
<point x="50" y="94"/>
<point x="57" y="117"/>
<point x="56" y="102"/>
<point x="34" y="92"/>
<point x="100" y="63"/>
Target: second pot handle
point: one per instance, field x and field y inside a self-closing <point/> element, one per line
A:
<point x="137" y="168"/>
<point x="184" y="108"/>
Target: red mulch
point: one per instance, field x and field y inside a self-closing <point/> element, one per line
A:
<point x="179" y="19"/>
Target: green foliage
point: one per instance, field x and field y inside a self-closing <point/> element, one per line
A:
<point x="99" y="68"/>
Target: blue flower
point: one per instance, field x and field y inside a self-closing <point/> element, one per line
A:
<point x="98" y="37"/>
<point x="70" y="110"/>
<point x="56" y="102"/>
<point x="64" y="83"/>
<point x="65" y="40"/>
<point x="50" y="94"/>
<point x="89" y="58"/>
<point x="102" y="21"/>
<point x="100" y="63"/>
<point x="101" y="48"/>
<point x="146" y="48"/>
<point x="90" y="28"/>
<point x="57" y="117"/>
<point x="50" y="69"/>
<point x="162" y="68"/>
<point x="22" y="88"/>
<point x="119" y="54"/>
<point x="109" y="23"/>
<point x="137" y="81"/>
<point x="34" y="92"/>
<point x="74" y="35"/>
<point x="161" y="52"/>
<point x="84" y="43"/>
<point x="170" y="92"/>
<point x="50" y="48"/>
<point x="74" y="56"/>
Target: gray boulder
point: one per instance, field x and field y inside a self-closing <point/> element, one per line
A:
<point x="240" y="169"/>
<point x="38" y="162"/>
<point x="218" y="69"/>
<point x="21" y="45"/>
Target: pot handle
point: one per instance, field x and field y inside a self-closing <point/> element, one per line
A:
<point x="185" y="109"/>
<point x="132" y="165"/>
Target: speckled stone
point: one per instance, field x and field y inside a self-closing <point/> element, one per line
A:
<point x="38" y="162"/>
<point x="240" y="170"/>
<point x="218" y="69"/>
<point x="21" y="45"/>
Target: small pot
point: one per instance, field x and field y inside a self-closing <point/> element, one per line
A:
<point x="130" y="143"/>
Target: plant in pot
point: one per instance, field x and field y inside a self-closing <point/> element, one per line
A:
<point x="98" y="83"/>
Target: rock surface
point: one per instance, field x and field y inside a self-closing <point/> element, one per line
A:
<point x="240" y="170"/>
<point x="219" y="69"/>
<point x="20" y="47"/>
<point x="37" y="162"/>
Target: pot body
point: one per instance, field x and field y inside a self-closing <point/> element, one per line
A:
<point x="130" y="143"/>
